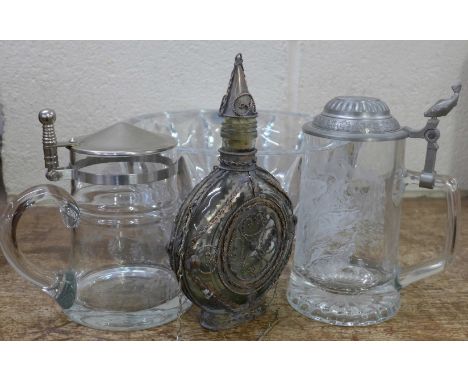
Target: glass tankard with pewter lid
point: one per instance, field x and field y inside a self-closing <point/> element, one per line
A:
<point x="124" y="196"/>
<point x="346" y="266"/>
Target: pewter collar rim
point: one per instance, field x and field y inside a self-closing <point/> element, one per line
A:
<point x="311" y="129"/>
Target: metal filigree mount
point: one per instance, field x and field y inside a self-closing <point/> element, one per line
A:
<point x="223" y="104"/>
<point x="206" y="262"/>
<point x="203" y="252"/>
<point x="233" y="161"/>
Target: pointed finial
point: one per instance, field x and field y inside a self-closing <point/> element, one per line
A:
<point x="238" y="102"/>
<point x="443" y="106"/>
<point x="457" y="87"/>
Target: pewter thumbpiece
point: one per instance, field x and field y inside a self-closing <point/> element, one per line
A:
<point x="443" y="106"/>
<point x="234" y="232"/>
<point x="431" y="134"/>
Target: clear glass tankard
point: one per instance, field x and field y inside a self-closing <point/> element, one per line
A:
<point x="125" y="196"/>
<point x="346" y="268"/>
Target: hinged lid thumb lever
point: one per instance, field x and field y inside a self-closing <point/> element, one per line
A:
<point x="431" y="134"/>
<point x="49" y="143"/>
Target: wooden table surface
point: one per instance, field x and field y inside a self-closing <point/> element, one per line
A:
<point x="433" y="309"/>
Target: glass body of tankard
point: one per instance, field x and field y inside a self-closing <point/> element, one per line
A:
<point x="346" y="266"/>
<point x="124" y="196"/>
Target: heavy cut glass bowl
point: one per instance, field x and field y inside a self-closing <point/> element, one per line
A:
<point x="279" y="142"/>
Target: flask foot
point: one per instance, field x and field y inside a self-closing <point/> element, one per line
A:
<point x="227" y="319"/>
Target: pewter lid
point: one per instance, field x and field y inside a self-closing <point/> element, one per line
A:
<point x="123" y="139"/>
<point x="357" y="119"/>
<point x="238" y="102"/>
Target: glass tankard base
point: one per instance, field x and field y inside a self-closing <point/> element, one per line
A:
<point x="358" y="308"/>
<point x="127" y="298"/>
<point x="227" y="320"/>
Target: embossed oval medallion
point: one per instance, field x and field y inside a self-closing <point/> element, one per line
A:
<point x="251" y="245"/>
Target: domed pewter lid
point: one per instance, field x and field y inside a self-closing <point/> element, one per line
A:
<point x="356" y="118"/>
<point x="123" y="139"/>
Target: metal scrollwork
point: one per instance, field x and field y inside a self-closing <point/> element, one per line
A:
<point x="208" y="259"/>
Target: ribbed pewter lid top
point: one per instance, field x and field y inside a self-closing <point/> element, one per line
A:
<point x="357" y="119"/>
<point x="123" y="139"/>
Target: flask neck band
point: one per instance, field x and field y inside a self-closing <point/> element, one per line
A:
<point x="238" y="144"/>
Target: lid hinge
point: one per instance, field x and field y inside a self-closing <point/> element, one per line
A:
<point x="431" y="134"/>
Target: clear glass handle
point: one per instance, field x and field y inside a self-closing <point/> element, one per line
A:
<point x="427" y="268"/>
<point x="61" y="286"/>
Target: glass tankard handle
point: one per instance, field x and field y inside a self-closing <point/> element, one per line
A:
<point x="427" y="268"/>
<point x="61" y="286"/>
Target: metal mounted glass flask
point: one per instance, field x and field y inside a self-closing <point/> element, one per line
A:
<point x="124" y="194"/>
<point x="234" y="232"/>
<point x="346" y="265"/>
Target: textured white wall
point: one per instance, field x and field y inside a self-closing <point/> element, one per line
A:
<point x="94" y="84"/>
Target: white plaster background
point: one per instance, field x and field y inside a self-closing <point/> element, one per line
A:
<point x="94" y="84"/>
